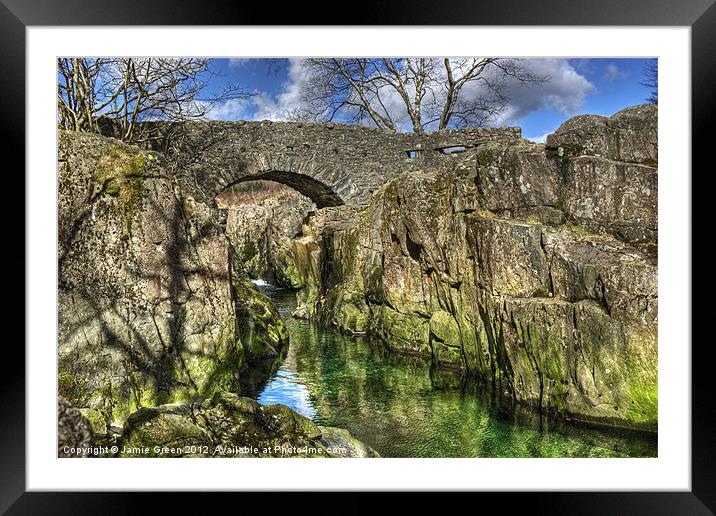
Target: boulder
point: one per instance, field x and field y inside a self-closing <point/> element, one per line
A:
<point x="229" y="425"/>
<point x="630" y="136"/>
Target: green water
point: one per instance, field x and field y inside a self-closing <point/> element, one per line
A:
<point x="401" y="408"/>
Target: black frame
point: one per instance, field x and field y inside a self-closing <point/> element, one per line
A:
<point x="15" y="15"/>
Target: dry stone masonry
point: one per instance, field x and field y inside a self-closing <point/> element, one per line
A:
<point x="332" y="164"/>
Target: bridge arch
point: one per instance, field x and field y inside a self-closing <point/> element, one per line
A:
<point x="322" y="195"/>
<point x="331" y="164"/>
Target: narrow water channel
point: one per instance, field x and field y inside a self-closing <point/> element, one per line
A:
<point x="401" y="408"/>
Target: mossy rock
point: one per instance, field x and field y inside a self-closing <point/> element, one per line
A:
<point x="344" y="444"/>
<point x="96" y="419"/>
<point x="262" y="332"/>
<point x="292" y="423"/>
<point x="444" y="327"/>
<point x="352" y="319"/>
<point x="149" y="428"/>
<point x="642" y="380"/>
<point x="229" y="422"/>
<point x="404" y="333"/>
<point x="120" y="174"/>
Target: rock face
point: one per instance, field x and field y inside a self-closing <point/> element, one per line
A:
<point x="531" y="267"/>
<point x="150" y="312"/>
<point x="262" y="233"/>
<point x="232" y="426"/>
<point x="610" y="173"/>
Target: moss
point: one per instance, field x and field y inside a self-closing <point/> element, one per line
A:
<point x="484" y="213"/>
<point x="291" y="423"/>
<point x="120" y="172"/>
<point x="261" y="330"/>
<point x="233" y="402"/>
<point x="553" y="363"/>
<point x="352" y="319"/>
<point x="642" y="384"/>
<point x="150" y="429"/>
<point x="134" y="396"/>
<point x="193" y="374"/>
<point x="218" y="371"/>
<point x="405" y="332"/>
<point x="290" y="277"/>
<point x="390" y="194"/>
<point x="580" y="232"/>
<point x="122" y="408"/>
<point x="188" y="205"/>
<point x="485" y="157"/>
<point x="97" y="420"/>
<point x="444" y="327"/>
<point x="67" y="386"/>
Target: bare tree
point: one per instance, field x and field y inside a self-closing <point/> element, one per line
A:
<point x="427" y="92"/>
<point x="127" y="91"/>
<point x="651" y="80"/>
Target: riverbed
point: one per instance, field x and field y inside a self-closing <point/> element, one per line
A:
<point x="402" y="408"/>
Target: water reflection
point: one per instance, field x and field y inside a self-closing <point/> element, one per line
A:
<point x="402" y="408"/>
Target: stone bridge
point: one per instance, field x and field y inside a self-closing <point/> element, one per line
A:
<point x="332" y="164"/>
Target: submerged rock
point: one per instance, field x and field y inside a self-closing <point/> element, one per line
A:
<point x="232" y="426"/>
<point x="341" y="439"/>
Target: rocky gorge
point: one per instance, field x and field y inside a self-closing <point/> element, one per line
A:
<point x="152" y="310"/>
<point x="531" y="268"/>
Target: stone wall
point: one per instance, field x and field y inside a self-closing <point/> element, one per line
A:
<point x="330" y="163"/>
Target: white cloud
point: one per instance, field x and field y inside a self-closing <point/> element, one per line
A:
<point x="614" y="73"/>
<point x="231" y="109"/>
<point x="267" y="108"/>
<point x="286" y="102"/>
<point x="565" y="92"/>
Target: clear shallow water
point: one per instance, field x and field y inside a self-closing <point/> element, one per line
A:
<point x="401" y="408"/>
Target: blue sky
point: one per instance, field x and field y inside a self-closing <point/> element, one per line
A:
<point x="577" y="86"/>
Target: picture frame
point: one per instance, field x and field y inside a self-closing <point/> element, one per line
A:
<point x="16" y="16"/>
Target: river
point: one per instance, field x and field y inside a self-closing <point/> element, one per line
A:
<point x="402" y="408"/>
